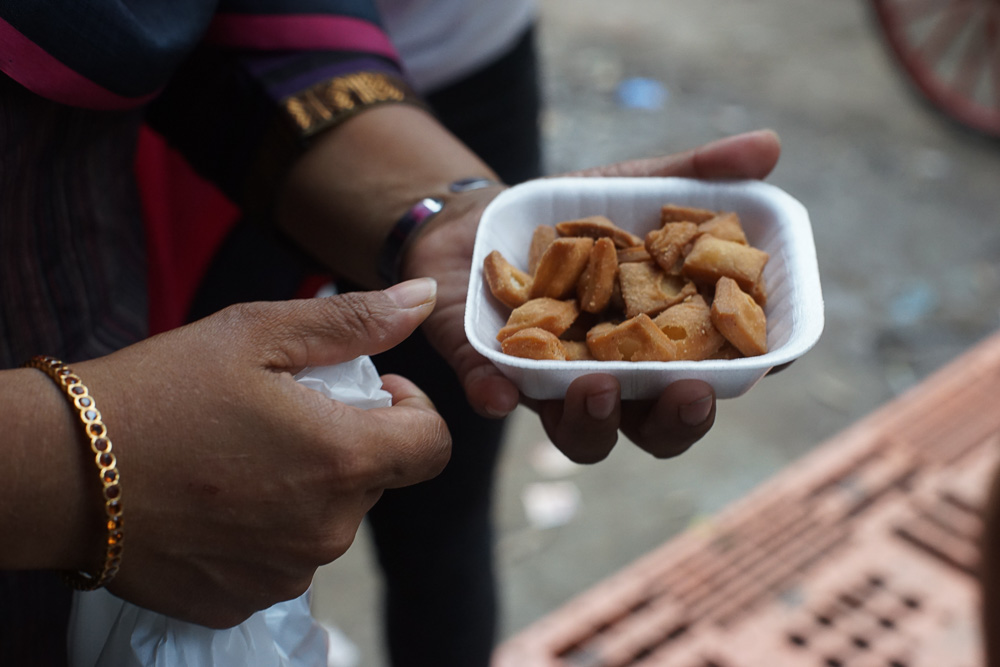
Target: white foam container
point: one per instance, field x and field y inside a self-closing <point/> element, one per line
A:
<point x="773" y="220"/>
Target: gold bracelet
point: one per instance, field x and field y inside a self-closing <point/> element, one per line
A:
<point x="97" y="434"/>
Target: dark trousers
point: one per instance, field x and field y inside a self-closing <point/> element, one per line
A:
<point x="434" y="540"/>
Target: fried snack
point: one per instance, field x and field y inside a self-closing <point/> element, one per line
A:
<point x="597" y="281"/>
<point x="592" y="291"/>
<point x="725" y="226"/>
<point x="739" y="318"/>
<point x="596" y="227"/>
<point x="508" y="283"/>
<point x="541" y="239"/>
<point x="689" y="325"/>
<point x="534" y="343"/>
<point x="647" y="289"/>
<point x="666" y="245"/>
<point x="635" y="339"/>
<point x="577" y="350"/>
<point x="674" y="213"/>
<point x="550" y="314"/>
<point x="711" y="258"/>
<point x="636" y="254"/>
<point x="560" y="267"/>
<point x="727" y="352"/>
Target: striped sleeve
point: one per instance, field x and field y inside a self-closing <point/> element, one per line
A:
<point x="267" y="78"/>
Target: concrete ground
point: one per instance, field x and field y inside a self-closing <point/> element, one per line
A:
<point x="905" y="209"/>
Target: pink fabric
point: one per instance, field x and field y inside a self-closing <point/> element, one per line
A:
<point x="299" y="32"/>
<point x="35" y="69"/>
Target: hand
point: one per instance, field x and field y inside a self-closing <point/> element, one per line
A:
<point x="585" y="425"/>
<point x="239" y="482"/>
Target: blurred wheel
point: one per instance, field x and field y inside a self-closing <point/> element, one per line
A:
<point x="950" y="50"/>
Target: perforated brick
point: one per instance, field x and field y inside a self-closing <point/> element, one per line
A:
<point x="862" y="554"/>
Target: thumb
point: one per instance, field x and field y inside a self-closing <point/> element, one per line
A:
<point x="331" y="330"/>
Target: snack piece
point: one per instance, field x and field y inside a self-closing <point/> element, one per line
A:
<point x="725" y="226"/>
<point x="674" y="213"/>
<point x="541" y="239"/>
<point x="739" y="318"/>
<point x="508" y="283"/>
<point x="689" y="325"/>
<point x="727" y="352"/>
<point x="560" y="267"/>
<point x="696" y="274"/>
<point x="635" y="339"/>
<point x="597" y="281"/>
<point x="553" y="315"/>
<point x="598" y="226"/>
<point x="667" y="244"/>
<point x="577" y="350"/>
<point x="711" y="258"/>
<point x="647" y="289"/>
<point x="636" y="254"/>
<point x="534" y="343"/>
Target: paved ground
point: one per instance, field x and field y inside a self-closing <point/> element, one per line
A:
<point x="904" y="208"/>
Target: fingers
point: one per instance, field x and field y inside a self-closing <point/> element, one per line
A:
<point x="752" y="155"/>
<point x="584" y="426"/>
<point x="413" y="442"/>
<point x="319" y="332"/>
<point x="681" y="416"/>
<point x="488" y="391"/>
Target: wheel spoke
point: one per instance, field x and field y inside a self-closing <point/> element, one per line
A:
<point x="946" y="31"/>
<point x="975" y="56"/>
<point x="993" y="49"/>
<point x="908" y="12"/>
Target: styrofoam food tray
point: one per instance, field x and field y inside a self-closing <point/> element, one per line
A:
<point x="773" y="220"/>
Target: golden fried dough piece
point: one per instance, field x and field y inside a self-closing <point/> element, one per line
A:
<point x="689" y="325"/>
<point x="635" y="254"/>
<point x="647" y="289"/>
<point x="508" y="283"/>
<point x="596" y="227"/>
<point x="560" y="267"/>
<point x="541" y="238"/>
<point x="534" y="343"/>
<point x="597" y="281"/>
<point x="711" y="258"/>
<point x="666" y="244"/>
<point x="727" y="352"/>
<point x="674" y="213"/>
<point x="738" y="317"/>
<point x="550" y="314"/>
<point x="636" y="339"/>
<point x="577" y="350"/>
<point x="725" y="226"/>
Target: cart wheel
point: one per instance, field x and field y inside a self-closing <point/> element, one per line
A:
<point x="950" y="50"/>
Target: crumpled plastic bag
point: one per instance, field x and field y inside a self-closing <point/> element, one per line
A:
<point x="106" y="631"/>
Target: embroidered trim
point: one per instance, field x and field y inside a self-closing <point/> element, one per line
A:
<point x="330" y="102"/>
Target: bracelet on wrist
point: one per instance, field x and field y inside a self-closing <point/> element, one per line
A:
<point x="96" y="434"/>
<point x="391" y="255"/>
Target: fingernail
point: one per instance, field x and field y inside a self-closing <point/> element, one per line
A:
<point x="413" y="293"/>
<point x="693" y="414"/>
<point x="600" y="406"/>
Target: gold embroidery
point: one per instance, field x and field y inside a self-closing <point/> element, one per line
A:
<point x="328" y="102"/>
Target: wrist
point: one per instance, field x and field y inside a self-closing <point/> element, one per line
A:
<point x="51" y="500"/>
<point x="424" y="215"/>
<point x="450" y="233"/>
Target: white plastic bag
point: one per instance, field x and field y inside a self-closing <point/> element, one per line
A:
<point x="106" y="631"/>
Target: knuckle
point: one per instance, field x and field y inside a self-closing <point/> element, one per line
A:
<point x="359" y="314"/>
<point x="336" y="544"/>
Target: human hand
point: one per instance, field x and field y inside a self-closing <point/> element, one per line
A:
<point x="586" y="423"/>
<point x="238" y="481"/>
